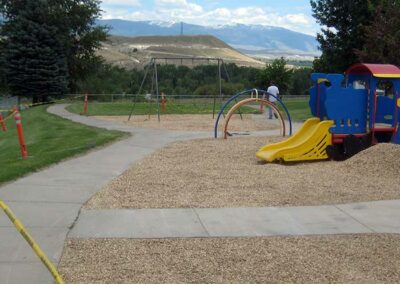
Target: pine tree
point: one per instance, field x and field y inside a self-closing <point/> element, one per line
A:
<point x="382" y="37"/>
<point x="80" y="36"/>
<point x="343" y="24"/>
<point x="35" y="61"/>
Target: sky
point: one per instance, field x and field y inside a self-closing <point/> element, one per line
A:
<point x="291" y="14"/>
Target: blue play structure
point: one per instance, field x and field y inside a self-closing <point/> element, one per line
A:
<point x="363" y="105"/>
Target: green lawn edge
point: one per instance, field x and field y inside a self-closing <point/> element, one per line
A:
<point x="50" y="139"/>
<point x="298" y="109"/>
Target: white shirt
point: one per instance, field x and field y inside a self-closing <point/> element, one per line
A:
<point x="273" y="90"/>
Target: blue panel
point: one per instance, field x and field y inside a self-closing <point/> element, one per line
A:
<point x="385" y="110"/>
<point x="313" y="103"/>
<point x="396" y="138"/>
<point x="347" y="107"/>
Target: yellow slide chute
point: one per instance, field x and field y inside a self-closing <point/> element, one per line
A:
<point x="308" y="144"/>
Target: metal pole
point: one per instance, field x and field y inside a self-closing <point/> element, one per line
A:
<point x="140" y="90"/>
<point x="215" y="100"/>
<point x="150" y="103"/>
<point x="220" y="78"/>
<point x="229" y="80"/>
<point x="157" y="91"/>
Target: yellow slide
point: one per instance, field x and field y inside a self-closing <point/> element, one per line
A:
<point x="309" y="143"/>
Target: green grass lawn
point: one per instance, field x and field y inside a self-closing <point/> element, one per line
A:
<point x="49" y="139"/>
<point x="299" y="109"/>
<point x="143" y="108"/>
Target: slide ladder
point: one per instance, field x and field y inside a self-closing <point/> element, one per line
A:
<point x="307" y="144"/>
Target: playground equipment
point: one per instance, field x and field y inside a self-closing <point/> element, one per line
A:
<point x="352" y="112"/>
<point x="254" y="98"/>
<point x="151" y="67"/>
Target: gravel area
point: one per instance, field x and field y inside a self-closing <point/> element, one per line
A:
<point x="196" y="122"/>
<point x="225" y="173"/>
<point x="312" y="259"/>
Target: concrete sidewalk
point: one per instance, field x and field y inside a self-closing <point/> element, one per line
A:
<point x="369" y="217"/>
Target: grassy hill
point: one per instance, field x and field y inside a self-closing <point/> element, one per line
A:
<point x="134" y="52"/>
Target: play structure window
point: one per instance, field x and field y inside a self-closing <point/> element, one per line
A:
<point x="359" y="85"/>
<point x="385" y="88"/>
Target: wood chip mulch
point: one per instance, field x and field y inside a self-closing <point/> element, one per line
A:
<point x="211" y="173"/>
<point x="311" y="259"/>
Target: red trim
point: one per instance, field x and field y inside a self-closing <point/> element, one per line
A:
<point x="338" y="138"/>
<point x="396" y="115"/>
<point x="384" y="129"/>
<point x="374" y="69"/>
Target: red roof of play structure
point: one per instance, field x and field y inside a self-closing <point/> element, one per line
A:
<point x="376" y="70"/>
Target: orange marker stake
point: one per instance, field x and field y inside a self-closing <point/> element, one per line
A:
<point x="3" y="123"/>
<point x="85" y="106"/>
<point x="163" y="102"/>
<point x="18" y="123"/>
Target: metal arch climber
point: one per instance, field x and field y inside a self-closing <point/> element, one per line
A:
<point x="247" y="101"/>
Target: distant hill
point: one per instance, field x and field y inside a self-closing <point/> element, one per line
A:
<point x="255" y="40"/>
<point x="132" y="52"/>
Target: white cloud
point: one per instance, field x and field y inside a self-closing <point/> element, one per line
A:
<point x="179" y="5"/>
<point x="133" y="3"/>
<point x="298" y="19"/>
<point x="186" y="11"/>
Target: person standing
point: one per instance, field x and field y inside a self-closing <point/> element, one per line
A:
<point x="274" y="91"/>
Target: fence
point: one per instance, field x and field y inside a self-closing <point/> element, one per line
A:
<point x="7" y="103"/>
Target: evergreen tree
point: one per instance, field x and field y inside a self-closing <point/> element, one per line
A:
<point x="80" y="37"/>
<point x="382" y="37"/>
<point x="343" y="24"/>
<point x="34" y="58"/>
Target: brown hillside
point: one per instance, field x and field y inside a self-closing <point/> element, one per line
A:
<point x="134" y="52"/>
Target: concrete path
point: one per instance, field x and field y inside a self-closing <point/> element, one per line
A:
<point x="369" y="217"/>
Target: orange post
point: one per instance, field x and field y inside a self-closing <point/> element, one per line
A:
<point x="162" y="102"/>
<point x="18" y="123"/>
<point x="262" y="106"/>
<point x="85" y="105"/>
<point x="3" y="123"/>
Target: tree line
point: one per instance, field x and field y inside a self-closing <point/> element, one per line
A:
<point x="201" y="80"/>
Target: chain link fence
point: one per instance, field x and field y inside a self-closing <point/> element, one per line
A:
<point x="7" y="103"/>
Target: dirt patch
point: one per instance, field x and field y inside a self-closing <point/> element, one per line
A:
<point x="313" y="259"/>
<point x="225" y="173"/>
<point x="197" y="122"/>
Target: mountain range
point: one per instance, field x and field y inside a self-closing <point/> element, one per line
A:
<point x="255" y="40"/>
